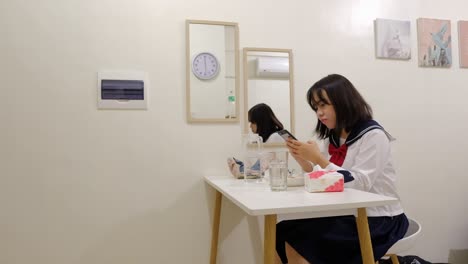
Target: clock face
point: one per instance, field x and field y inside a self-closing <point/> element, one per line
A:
<point x="205" y="66"/>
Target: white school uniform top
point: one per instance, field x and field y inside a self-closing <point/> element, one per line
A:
<point x="370" y="162"/>
<point x="275" y="138"/>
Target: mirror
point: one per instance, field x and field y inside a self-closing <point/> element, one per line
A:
<point x="268" y="79"/>
<point x="212" y="71"/>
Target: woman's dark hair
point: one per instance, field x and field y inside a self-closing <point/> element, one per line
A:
<point x="266" y="121"/>
<point x="350" y="107"/>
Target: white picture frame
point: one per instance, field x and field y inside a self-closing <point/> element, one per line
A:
<point x="392" y="39"/>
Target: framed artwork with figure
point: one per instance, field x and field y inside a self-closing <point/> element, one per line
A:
<point x="463" y="43"/>
<point x="392" y="39"/>
<point x="434" y="43"/>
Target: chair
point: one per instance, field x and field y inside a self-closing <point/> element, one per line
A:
<point x="407" y="242"/>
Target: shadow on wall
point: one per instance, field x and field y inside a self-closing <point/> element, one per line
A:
<point x="168" y="235"/>
<point x="177" y="234"/>
<point x="458" y="256"/>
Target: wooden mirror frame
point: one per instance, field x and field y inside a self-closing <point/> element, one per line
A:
<point x="227" y="119"/>
<point x="246" y="87"/>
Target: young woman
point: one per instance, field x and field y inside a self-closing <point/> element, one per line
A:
<point x="360" y="147"/>
<point x="264" y="122"/>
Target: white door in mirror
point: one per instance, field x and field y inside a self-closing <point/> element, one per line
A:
<point x="205" y="66"/>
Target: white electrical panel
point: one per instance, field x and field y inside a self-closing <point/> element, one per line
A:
<point x="122" y="90"/>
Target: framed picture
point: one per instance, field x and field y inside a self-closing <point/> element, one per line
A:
<point x="463" y="43"/>
<point x="434" y="43"/>
<point x="392" y="39"/>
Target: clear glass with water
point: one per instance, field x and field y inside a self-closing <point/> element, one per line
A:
<point x="278" y="175"/>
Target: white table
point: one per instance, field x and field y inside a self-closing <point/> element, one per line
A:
<point x="256" y="198"/>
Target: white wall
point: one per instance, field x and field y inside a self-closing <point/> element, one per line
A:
<point x="79" y="185"/>
<point x="274" y="93"/>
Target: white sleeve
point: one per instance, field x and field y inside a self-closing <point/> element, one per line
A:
<point x="323" y="146"/>
<point x="370" y="160"/>
<point x="275" y="138"/>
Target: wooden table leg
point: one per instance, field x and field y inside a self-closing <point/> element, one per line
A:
<point x="364" y="237"/>
<point x="269" y="243"/>
<point x="394" y="259"/>
<point x="215" y="229"/>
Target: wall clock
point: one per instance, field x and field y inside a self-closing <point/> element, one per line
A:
<point x="205" y="66"/>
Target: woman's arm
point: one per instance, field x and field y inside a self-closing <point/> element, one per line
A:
<point x="370" y="160"/>
<point x="305" y="165"/>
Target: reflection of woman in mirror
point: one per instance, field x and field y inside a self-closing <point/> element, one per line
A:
<point x="264" y="123"/>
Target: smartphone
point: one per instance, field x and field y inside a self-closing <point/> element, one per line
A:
<point x="285" y="134"/>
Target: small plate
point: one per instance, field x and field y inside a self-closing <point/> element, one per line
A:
<point x="296" y="180"/>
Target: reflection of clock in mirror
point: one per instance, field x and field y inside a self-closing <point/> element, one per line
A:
<point x="205" y="66"/>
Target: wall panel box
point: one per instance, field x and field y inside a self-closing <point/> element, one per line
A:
<point x="122" y="90"/>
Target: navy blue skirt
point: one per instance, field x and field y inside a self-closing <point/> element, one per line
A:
<point x="334" y="240"/>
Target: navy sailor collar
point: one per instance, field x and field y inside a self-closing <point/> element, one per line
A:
<point x="357" y="132"/>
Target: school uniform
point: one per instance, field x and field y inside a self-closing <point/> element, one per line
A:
<point x="365" y="160"/>
<point x="275" y="138"/>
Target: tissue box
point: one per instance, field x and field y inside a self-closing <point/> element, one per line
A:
<point x="323" y="181"/>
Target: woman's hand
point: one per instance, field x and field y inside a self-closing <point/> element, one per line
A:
<point x="306" y="151"/>
<point x="294" y="153"/>
<point x="305" y="164"/>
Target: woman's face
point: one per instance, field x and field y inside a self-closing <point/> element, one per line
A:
<point x="253" y="127"/>
<point x="325" y="111"/>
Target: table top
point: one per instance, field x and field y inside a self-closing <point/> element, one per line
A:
<point x="256" y="198"/>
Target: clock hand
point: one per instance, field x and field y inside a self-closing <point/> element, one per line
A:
<point x="205" y="63"/>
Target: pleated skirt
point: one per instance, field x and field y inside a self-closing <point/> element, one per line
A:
<point x="334" y="240"/>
